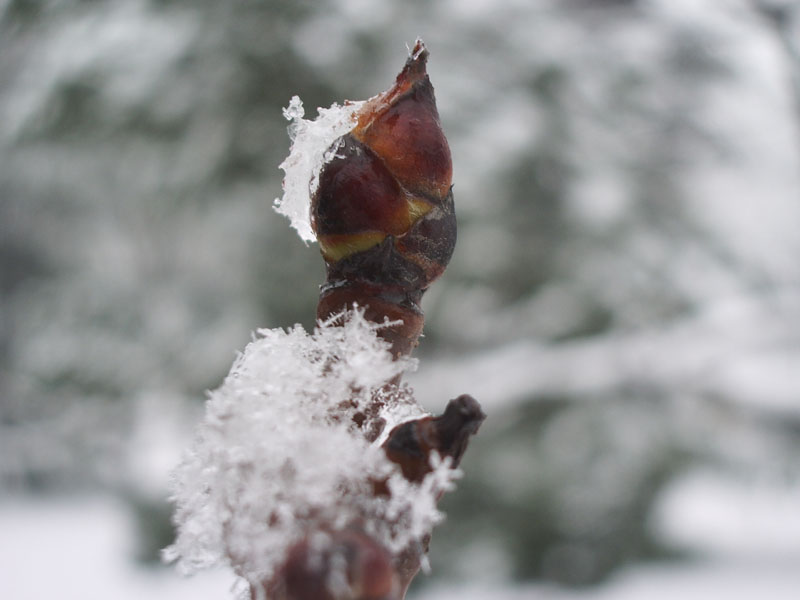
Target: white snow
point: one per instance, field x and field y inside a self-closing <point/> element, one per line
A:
<point x="311" y="149"/>
<point x="738" y="349"/>
<point x="733" y="517"/>
<point x="80" y="549"/>
<point x="702" y="581"/>
<point x="278" y="454"/>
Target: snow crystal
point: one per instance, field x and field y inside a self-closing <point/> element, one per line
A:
<point x="311" y="148"/>
<point x="279" y="454"/>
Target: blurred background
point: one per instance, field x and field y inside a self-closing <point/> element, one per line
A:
<point x="624" y="299"/>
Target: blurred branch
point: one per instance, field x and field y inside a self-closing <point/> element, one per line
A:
<point x="718" y="353"/>
<point x="782" y="18"/>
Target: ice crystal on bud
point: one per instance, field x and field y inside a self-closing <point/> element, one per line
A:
<point x="279" y="453"/>
<point x="295" y="110"/>
<point x="311" y="143"/>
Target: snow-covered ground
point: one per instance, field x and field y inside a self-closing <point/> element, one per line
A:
<point x="728" y="580"/>
<point x="80" y="548"/>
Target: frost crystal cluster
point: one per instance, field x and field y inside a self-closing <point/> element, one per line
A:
<point x="311" y="149"/>
<point x="279" y="453"/>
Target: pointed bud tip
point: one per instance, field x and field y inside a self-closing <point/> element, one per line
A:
<point x="419" y="53"/>
<point x="467" y="408"/>
<point x="415" y="68"/>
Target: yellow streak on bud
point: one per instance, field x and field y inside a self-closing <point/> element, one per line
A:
<point x="337" y="247"/>
<point x="417" y="208"/>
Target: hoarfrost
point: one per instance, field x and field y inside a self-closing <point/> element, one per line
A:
<point x="311" y="148"/>
<point x="279" y="456"/>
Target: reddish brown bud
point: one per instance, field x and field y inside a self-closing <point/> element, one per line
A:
<point x="383" y="211"/>
<point x="359" y="202"/>
<point x="357" y="193"/>
<point x="385" y="199"/>
<point x="402" y="126"/>
<point x="378" y="305"/>
<point x="410" y="445"/>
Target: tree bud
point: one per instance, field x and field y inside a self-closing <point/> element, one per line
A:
<point x="410" y="445"/>
<point x="383" y="211"/>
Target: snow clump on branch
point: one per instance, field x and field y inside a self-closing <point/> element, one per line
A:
<point x="311" y="149"/>
<point x="280" y="451"/>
